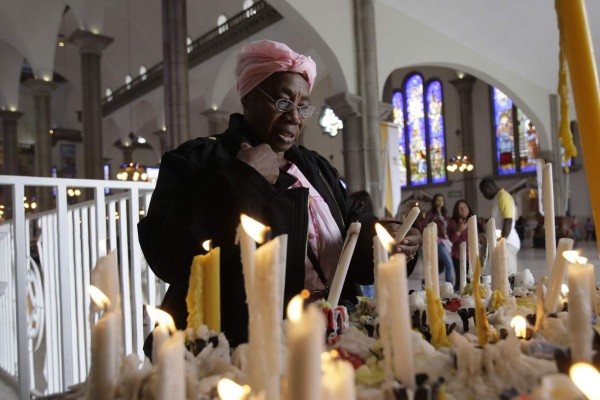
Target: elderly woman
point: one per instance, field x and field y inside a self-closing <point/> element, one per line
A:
<point x="256" y="168"/>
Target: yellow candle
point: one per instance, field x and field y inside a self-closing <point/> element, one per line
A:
<point x="584" y="82"/>
<point x="481" y="321"/>
<point x="204" y="293"/>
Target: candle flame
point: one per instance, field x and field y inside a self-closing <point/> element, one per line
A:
<point x="207" y="245"/>
<point x="586" y="378"/>
<point x="519" y="323"/>
<point x="162" y="317"/>
<point x="295" y="308"/>
<point x="384" y="237"/>
<point x="229" y="390"/>
<point x="498" y="233"/>
<point x="255" y="229"/>
<point x="98" y="297"/>
<point x="573" y="257"/>
<point x="564" y="290"/>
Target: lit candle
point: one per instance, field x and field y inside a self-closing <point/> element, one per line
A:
<point x="392" y="292"/>
<point x="586" y="378"/>
<point x="264" y="309"/>
<point x="105" y="276"/>
<point x="168" y="354"/>
<point x="305" y="343"/>
<point x="490" y="230"/>
<point x="473" y="239"/>
<point x="519" y="323"/>
<point x="407" y="224"/>
<point x="338" y="377"/>
<point x="548" y="202"/>
<point x="580" y="329"/>
<point x="430" y="257"/>
<point x="499" y="271"/>
<point x="107" y="350"/>
<point x="343" y="264"/>
<point x="204" y="294"/>
<point x="584" y="83"/>
<point x="463" y="267"/>
<point x="229" y="390"/>
<point x="557" y="276"/>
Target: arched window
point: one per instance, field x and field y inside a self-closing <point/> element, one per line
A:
<point x="419" y="114"/>
<point x="516" y="144"/>
<point x="222" y="23"/>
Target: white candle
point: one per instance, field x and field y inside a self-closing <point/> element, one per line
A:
<point x="171" y="368"/>
<point x="107" y="351"/>
<point x="548" y="202"/>
<point x="247" y="250"/>
<point x="473" y="243"/>
<point x="557" y="276"/>
<point x="105" y="276"/>
<point x="343" y="264"/>
<point x="499" y="271"/>
<point x="407" y="224"/>
<point x="430" y="256"/>
<point x="580" y="328"/>
<point x="305" y="343"/>
<point x="337" y="381"/>
<point x="393" y="287"/>
<point x="592" y="280"/>
<point x="463" y="267"/>
<point x="490" y="230"/>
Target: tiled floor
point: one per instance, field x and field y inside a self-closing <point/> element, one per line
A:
<point x="533" y="259"/>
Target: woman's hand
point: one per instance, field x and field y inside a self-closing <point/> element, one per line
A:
<point x="262" y="158"/>
<point x="411" y="242"/>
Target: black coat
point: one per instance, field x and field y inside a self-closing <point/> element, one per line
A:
<point x="201" y="191"/>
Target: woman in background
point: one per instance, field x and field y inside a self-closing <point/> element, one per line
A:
<point x="458" y="233"/>
<point x="437" y="214"/>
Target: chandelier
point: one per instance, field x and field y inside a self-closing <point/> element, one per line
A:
<point x="460" y="164"/>
<point x="132" y="172"/>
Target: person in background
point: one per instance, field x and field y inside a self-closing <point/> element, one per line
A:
<point x="589" y="230"/>
<point x="437" y="214"/>
<point x="255" y="167"/>
<point x="458" y="233"/>
<point x="504" y="212"/>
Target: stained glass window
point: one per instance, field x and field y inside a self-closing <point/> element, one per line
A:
<point x="419" y="115"/>
<point x="516" y="136"/>
<point x="398" y="115"/>
<point x="435" y="123"/>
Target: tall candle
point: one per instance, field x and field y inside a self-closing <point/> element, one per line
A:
<point x="430" y="256"/>
<point x="584" y="83"/>
<point x="204" y="294"/>
<point x="171" y="368"/>
<point x="343" y="264"/>
<point x="549" y="228"/>
<point x="107" y="350"/>
<point x="337" y="381"/>
<point x="557" y="276"/>
<point x="393" y="289"/>
<point x="105" y="276"/>
<point x="580" y="328"/>
<point x="592" y="281"/>
<point x="463" y="267"/>
<point x="490" y="231"/>
<point x="499" y="271"/>
<point x="473" y="239"/>
<point x="407" y="224"/>
<point x="305" y="343"/>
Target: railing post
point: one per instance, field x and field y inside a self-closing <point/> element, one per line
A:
<point x="134" y="248"/>
<point x="21" y="291"/>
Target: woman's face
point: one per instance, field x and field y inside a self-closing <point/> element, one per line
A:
<point x="439" y="202"/>
<point x="463" y="210"/>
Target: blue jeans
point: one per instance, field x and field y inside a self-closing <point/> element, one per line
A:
<point x="445" y="263"/>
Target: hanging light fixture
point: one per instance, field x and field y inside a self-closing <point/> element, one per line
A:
<point x="132" y="172"/>
<point x="460" y="163"/>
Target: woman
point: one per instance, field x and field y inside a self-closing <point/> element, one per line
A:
<point x="437" y="214"/>
<point x="458" y="232"/>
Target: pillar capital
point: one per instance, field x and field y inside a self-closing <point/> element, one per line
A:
<point x="88" y="42"/>
<point x="216" y="114"/>
<point x="10" y="116"/>
<point x="385" y="110"/>
<point x="40" y="87"/>
<point x="345" y="105"/>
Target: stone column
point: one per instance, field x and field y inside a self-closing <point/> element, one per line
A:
<point x="218" y="120"/>
<point x="42" y="92"/>
<point x="347" y="107"/>
<point x="90" y="48"/>
<point x="10" y="141"/>
<point x="465" y="100"/>
<point x="368" y="84"/>
<point x="558" y="176"/>
<point x="175" y="72"/>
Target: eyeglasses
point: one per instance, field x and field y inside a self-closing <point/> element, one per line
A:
<point x="285" y="105"/>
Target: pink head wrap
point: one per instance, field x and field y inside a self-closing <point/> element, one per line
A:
<point x="259" y="60"/>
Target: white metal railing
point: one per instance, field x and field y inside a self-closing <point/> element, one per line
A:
<point x="45" y="261"/>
